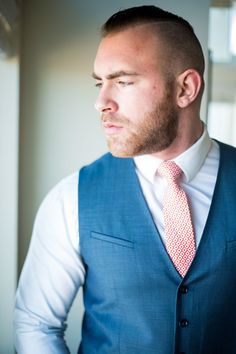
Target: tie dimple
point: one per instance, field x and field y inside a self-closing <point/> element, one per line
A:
<point x="180" y="240"/>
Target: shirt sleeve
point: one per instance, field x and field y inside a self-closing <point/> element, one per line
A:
<point x="51" y="276"/>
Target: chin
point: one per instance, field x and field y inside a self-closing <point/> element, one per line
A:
<point x="116" y="150"/>
<point x="123" y="151"/>
<point x="120" y="152"/>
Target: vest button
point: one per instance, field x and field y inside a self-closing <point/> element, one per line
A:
<point x="183" y="289"/>
<point x="183" y="323"/>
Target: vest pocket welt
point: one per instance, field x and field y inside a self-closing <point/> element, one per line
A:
<point x="112" y="239"/>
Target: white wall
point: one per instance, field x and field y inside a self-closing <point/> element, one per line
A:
<point x="60" y="129"/>
<point x="8" y="200"/>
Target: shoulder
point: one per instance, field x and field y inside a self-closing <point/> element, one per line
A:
<point x="103" y="161"/>
<point x="227" y="161"/>
<point x="62" y="198"/>
<point x="226" y="147"/>
<point x="64" y="189"/>
<point x="106" y="165"/>
<point x="65" y="192"/>
<point x="227" y="152"/>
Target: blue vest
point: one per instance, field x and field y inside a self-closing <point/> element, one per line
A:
<point x="135" y="300"/>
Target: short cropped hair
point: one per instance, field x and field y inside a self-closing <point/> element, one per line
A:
<point x="181" y="44"/>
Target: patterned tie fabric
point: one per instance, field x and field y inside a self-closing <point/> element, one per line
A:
<point x="180" y="240"/>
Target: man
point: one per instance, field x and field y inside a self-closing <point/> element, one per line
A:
<point x="156" y="253"/>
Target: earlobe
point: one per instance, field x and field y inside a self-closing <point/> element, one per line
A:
<point x="189" y="86"/>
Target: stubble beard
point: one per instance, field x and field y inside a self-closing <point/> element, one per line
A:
<point x="154" y="133"/>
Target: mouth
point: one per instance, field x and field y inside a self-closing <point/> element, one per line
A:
<point x="111" y="128"/>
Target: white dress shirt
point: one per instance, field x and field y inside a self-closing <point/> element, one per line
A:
<point x="54" y="271"/>
<point x="199" y="165"/>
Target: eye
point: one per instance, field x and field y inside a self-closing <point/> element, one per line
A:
<point x="125" y="83"/>
<point x="98" y="84"/>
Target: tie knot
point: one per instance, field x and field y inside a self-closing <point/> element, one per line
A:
<point x="169" y="170"/>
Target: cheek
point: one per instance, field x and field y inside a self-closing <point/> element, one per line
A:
<point x="136" y="103"/>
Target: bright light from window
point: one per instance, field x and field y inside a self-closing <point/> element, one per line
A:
<point x="233" y="29"/>
<point x="222" y="33"/>
<point x="219" y="34"/>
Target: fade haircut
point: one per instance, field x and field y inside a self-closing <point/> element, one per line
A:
<point x="182" y="47"/>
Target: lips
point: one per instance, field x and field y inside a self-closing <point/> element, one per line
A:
<point x="111" y="128"/>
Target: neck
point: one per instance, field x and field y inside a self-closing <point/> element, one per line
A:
<point x="186" y="137"/>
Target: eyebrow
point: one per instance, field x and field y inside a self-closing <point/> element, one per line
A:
<point x="115" y="75"/>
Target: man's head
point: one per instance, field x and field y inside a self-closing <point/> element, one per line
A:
<point x="149" y="67"/>
<point x="182" y="47"/>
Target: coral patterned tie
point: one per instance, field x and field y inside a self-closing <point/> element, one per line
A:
<point x="180" y="241"/>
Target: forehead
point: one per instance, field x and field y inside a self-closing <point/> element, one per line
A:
<point x="135" y="48"/>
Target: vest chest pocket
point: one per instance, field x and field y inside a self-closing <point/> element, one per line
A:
<point x="111" y="260"/>
<point x="112" y="239"/>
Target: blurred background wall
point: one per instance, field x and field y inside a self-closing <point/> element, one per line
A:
<point x="9" y="122"/>
<point x="54" y="122"/>
<point x="9" y="77"/>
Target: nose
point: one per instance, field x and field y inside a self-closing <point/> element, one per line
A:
<point x="105" y="103"/>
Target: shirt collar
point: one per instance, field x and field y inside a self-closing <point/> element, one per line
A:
<point x="190" y="161"/>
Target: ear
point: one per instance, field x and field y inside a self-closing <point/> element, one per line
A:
<point x="189" y="85"/>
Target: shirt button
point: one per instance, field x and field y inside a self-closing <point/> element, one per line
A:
<point x="183" y="323"/>
<point x="183" y="289"/>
